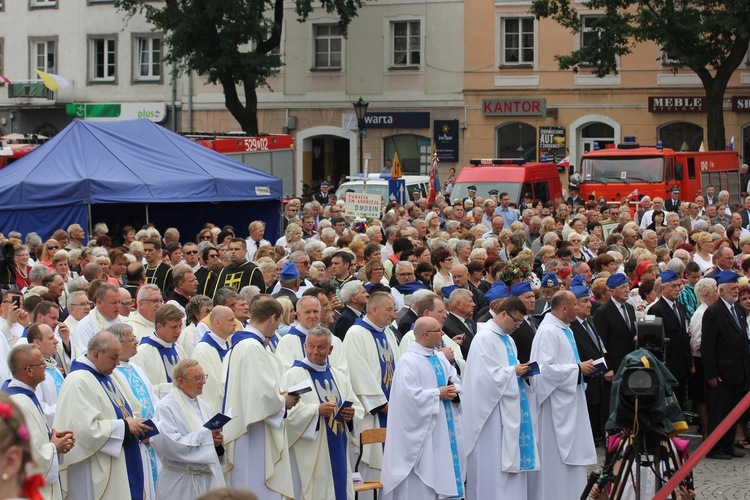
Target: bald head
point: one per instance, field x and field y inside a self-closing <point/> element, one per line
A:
<point x="427" y="332"/>
<point x="221" y="319"/>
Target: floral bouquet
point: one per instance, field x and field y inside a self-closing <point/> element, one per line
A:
<point x="513" y="272"/>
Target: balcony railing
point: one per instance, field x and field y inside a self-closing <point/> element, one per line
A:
<point x="35" y="92"/>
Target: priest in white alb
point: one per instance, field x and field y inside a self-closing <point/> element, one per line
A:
<point x="291" y="347"/>
<point x="149" y="299"/>
<point x="106" y="461"/>
<point x="256" y="443"/>
<point x="159" y="353"/>
<point x="318" y="441"/>
<point x="211" y="351"/>
<point x="43" y="337"/>
<point x="371" y="351"/>
<point x="566" y="444"/>
<point x="424" y="452"/>
<point x="192" y="455"/>
<point x="497" y="424"/>
<point x="106" y="313"/>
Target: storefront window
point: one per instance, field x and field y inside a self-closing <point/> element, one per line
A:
<point x="599" y="133"/>
<point x="516" y="140"/>
<point x="681" y="136"/>
<point x="408" y="147"/>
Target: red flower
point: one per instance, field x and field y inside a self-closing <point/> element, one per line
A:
<point x="31" y="485"/>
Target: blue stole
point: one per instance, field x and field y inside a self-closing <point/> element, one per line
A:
<point x="140" y="390"/>
<point x="22" y="390"/>
<point x="327" y="390"/>
<point x="55" y="374"/>
<point x="208" y="339"/>
<point x="441" y="382"/>
<point x="526" y="434"/>
<point x="273" y="343"/>
<point x="236" y="339"/>
<point x="170" y="353"/>
<point x="122" y="410"/>
<point x="301" y="336"/>
<point x="385" y="356"/>
<point x="572" y="341"/>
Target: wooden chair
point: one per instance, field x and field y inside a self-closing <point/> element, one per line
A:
<point x="370" y="436"/>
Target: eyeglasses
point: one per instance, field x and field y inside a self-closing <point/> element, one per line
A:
<point x="129" y="341"/>
<point x="158" y="301"/>
<point x="190" y="252"/>
<point x="404" y="275"/>
<point x="80" y="304"/>
<point x="206" y="237"/>
<point x="53" y="247"/>
<point x="36" y="364"/>
<point x="213" y="256"/>
<point x="517" y="321"/>
<point x="303" y="262"/>
<point x="199" y="378"/>
<point x="126" y="303"/>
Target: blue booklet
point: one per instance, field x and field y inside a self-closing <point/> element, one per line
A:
<point x="217" y="421"/>
<point x="601" y="367"/>
<point x="338" y="415"/>
<point x="533" y="369"/>
<point x="153" y="432"/>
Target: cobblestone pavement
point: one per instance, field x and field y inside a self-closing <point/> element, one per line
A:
<point x="715" y="479"/>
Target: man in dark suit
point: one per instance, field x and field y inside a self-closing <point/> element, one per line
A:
<point x="460" y="274"/>
<point x="407" y="320"/>
<point x="724" y="260"/>
<point x="354" y="297"/>
<point x="495" y="296"/>
<point x="672" y="204"/>
<point x="725" y="351"/>
<point x="550" y="285"/>
<point x="574" y="199"/>
<point x="689" y="221"/>
<point x="459" y="320"/>
<point x="523" y="336"/>
<point x="678" y="358"/>
<point x="322" y="195"/>
<point x="589" y="347"/>
<point x="289" y="280"/>
<point x="745" y="213"/>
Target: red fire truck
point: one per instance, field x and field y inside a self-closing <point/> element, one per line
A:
<point x="273" y="153"/>
<point x="629" y="170"/>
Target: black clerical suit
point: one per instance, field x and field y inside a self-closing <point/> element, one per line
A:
<point x="404" y="324"/>
<point x="725" y="352"/>
<point x="239" y="276"/>
<point x="456" y="326"/>
<point x="588" y="349"/>
<point x="678" y="357"/>
<point x="523" y="336"/>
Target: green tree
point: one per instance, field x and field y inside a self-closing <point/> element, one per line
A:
<point x="231" y="42"/>
<point x="710" y="37"/>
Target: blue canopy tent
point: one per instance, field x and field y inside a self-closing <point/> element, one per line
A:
<point x="129" y="173"/>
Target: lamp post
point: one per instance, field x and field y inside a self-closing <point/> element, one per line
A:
<point x="360" y="109"/>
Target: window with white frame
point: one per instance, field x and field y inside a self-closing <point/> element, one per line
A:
<point x="589" y="32"/>
<point x="148" y="58"/>
<point x="328" y="46"/>
<point x="518" y="40"/>
<point x="42" y="3"/>
<point x="276" y="51"/>
<point x="44" y="55"/>
<point x="407" y="43"/>
<point x="102" y="59"/>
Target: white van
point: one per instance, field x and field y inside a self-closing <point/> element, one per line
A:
<point x="378" y="184"/>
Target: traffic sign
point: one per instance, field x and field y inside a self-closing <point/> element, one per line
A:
<point x="397" y="191"/>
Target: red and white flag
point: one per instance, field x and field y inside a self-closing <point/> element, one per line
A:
<point x="634" y="194"/>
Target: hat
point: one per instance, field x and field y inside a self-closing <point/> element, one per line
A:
<point x="675" y="189"/>
<point x="448" y="290"/>
<point x="493" y="192"/>
<point x="725" y="277"/>
<point x="411" y="287"/>
<point x="519" y="289"/>
<point x="669" y="276"/>
<point x="641" y="268"/>
<point x="289" y="272"/>
<point x="616" y="280"/>
<point x="416" y="190"/>
<point x="573" y="187"/>
<point x="527" y="195"/>
<point x="550" y="280"/>
<point x="562" y="273"/>
<point x="580" y="291"/>
<point x="472" y="188"/>
<point x="498" y="290"/>
<point x="324" y="184"/>
<point x="577" y="281"/>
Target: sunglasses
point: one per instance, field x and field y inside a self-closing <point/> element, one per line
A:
<point x="206" y="237"/>
<point x="54" y="247"/>
<point x="191" y="252"/>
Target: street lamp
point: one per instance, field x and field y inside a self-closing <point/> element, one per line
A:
<point x="360" y="109"/>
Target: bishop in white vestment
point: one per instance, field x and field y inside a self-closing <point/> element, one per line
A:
<point x="159" y="353"/>
<point x="191" y="454"/>
<point x="105" y="313"/>
<point x="497" y="420"/>
<point x="424" y="453"/>
<point x="565" y="440"/>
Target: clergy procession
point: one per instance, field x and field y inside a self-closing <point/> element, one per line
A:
<point x="449" y="349"/>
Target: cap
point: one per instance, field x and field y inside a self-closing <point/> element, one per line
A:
<point x="519" y="289"/>
<point x="675" y="189"/>
<point x="493" y="192"/>
<point x="324" y="184"/>
<point x="289" y="272"/>
<point x="669" y="276"/>
<point x="472" y="188"/>
<point x="580" y="291"/>
<point x="562" y="273"/>
<point x="616" y="280"/>
<point x="527" y="195"/>
<point x="498" y="290"/>
<point x="416" y="191"/>
<point x="448" y="290"/>
<point x="550" y="280"/>
<point x="578" y="281"/>
<point x="573" y="187"/>
<point x="725" y="277"/>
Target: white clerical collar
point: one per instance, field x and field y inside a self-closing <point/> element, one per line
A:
<point x="301" y="328"/>
<point x="160" y="341"/>
<point x="367" y="320"/>
<point x="86" y="361"/>
<point x="492" y="313"/>
<point x="555" y="319"/>
<point x="222" y="343"/>
<point x="254" y="331"/>
<point x="197" y="266"/>
<point x="420" y="349"/>
<point x="314" y="366"/>
<point x="496" y="328"/>
<point x="124" y="364"/>
<point x="51" y="363"/>
<point x="14" y="382"/>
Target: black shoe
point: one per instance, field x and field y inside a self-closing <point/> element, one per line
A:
<point x="735" y="453"/>
<point x="719" y="455"/>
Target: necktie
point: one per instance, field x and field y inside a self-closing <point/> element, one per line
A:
<point x="468" y="325"/>
<point x="735" y="318"/>
<point x="625" y="315"/>
<point x="677" y="312"/>
<point x="591" y="333"/>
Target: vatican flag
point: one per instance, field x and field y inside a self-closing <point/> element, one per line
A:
<point x="52" y="82"/>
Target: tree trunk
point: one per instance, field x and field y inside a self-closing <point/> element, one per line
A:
<point x="715" y="116"/>
<point x="245" y="115"/>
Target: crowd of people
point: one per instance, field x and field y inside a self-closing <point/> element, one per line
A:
<point x="146" y="364"/>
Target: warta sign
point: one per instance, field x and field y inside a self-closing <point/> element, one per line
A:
<point x="514" y="107"/>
